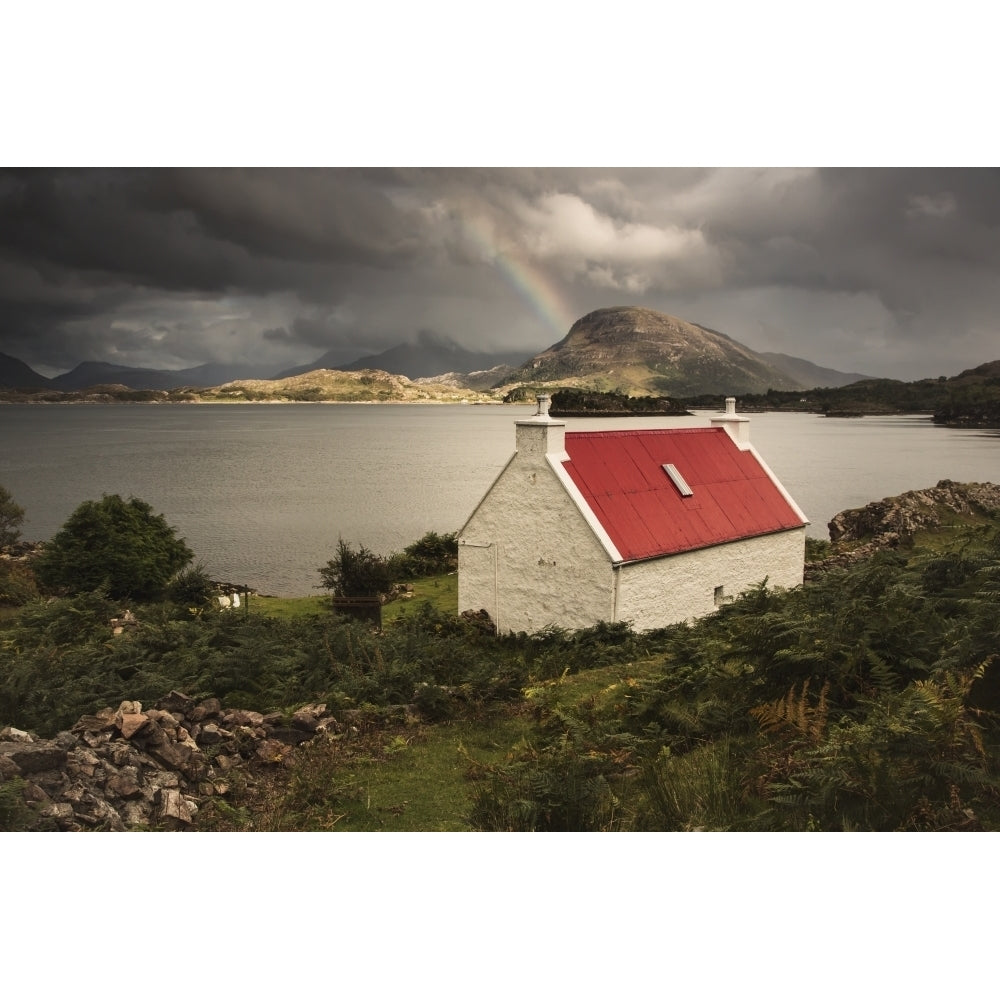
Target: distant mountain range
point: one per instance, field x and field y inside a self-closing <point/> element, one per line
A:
<point x="429" y="356"/>
<point x="15" y="374"/>
<point x="627" y="349"/>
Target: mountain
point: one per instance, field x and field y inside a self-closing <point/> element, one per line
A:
<point x="16" y="374"/>
<point x="639" y="351"/>
<point x="811" y="376"/>
<point x="429" y="356"/>
<point x="90" y="373"/>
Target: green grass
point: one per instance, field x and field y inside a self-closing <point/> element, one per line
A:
<point x="423" y="779"/>
<point x="440" y="591"/>
<point x="941" y="538"/>
<point x="289" y="607"/>
<point x="423" y="784"/>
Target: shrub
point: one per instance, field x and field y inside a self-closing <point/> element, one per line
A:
<point x="362" y="573"/>
<point x="11" y="518"/>
<point x="16" y="816"/>
<point x="358" y="572"/>
<point x="116" y="544"/>
<point x="557" y="790"/>
<point x="317" y="789"/>
<point x="818" y="549"/>
<point x="433" y="702"/>
<point x="192" y="588"/>
<point x="705" y="789"/>
<point x="431" y="555"/>
<point x="17" y="584"/>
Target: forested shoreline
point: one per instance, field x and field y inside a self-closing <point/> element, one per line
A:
<point x="971" y="399"/>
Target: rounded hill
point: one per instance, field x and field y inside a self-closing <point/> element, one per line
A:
<point x="638" y="350"/>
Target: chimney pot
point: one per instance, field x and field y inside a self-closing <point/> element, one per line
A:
<point x="736" y="426"/>
<point x="540" y="434"/>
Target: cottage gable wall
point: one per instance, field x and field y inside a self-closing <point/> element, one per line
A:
<point x="527" y="556"/>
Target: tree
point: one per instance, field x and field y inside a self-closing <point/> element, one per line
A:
<point x="11" y="518"/>
<point x="433" y="554"/>
<point x="117" y="544"/>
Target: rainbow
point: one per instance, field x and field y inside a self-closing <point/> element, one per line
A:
<point x="530" y="283"/>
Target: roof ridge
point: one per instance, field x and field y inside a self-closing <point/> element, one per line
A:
<point x="647" y="430"/>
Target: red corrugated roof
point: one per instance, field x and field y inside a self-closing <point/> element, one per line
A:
<point x="621" y="477"/>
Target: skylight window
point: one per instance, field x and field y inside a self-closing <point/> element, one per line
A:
<point x="678" y="480"/>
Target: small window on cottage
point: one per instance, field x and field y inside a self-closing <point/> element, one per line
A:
<point x="720" y="596"/>
<point x="678" y="480"/>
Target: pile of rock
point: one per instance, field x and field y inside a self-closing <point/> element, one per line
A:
<point x="130" y="768"/>
<point x="21" y="551"/>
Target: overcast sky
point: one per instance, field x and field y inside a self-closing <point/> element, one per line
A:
<point x="881" y="270"/>
<point x="889" y="272"/>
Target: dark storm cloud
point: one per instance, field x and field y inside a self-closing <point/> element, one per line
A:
<point x="890" y="271"/>
<point x="78" y="245"/>
<point x="201" y="231"/>
<point x="326" y="333"/>
<point x="879" y="230"/>
<point x="293" y="215"/>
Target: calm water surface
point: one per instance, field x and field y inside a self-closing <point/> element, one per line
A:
<point x="262" y="492"/>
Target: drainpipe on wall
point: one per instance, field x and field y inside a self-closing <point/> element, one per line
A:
<point x="496" y="578"/>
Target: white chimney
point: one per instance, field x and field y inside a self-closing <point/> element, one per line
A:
<point x="540" y="435"/>
<point x="737" y="427"/>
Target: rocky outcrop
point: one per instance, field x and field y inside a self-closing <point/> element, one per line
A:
<point x="891" y="522"/>
<point x="896" y="518"/>
<point x="135" y="768"/>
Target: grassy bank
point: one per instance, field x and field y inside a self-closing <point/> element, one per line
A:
<point x="441" y="592"/>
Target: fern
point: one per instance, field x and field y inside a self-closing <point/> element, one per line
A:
<point x="794" y="712"/>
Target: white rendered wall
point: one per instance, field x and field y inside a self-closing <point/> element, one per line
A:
<point x="664" y="591"/>
<point x="544" y="565"/>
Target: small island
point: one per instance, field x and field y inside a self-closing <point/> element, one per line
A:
<point x="585" y="403"/>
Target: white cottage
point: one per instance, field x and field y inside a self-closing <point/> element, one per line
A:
<point x="647" y="526"/>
